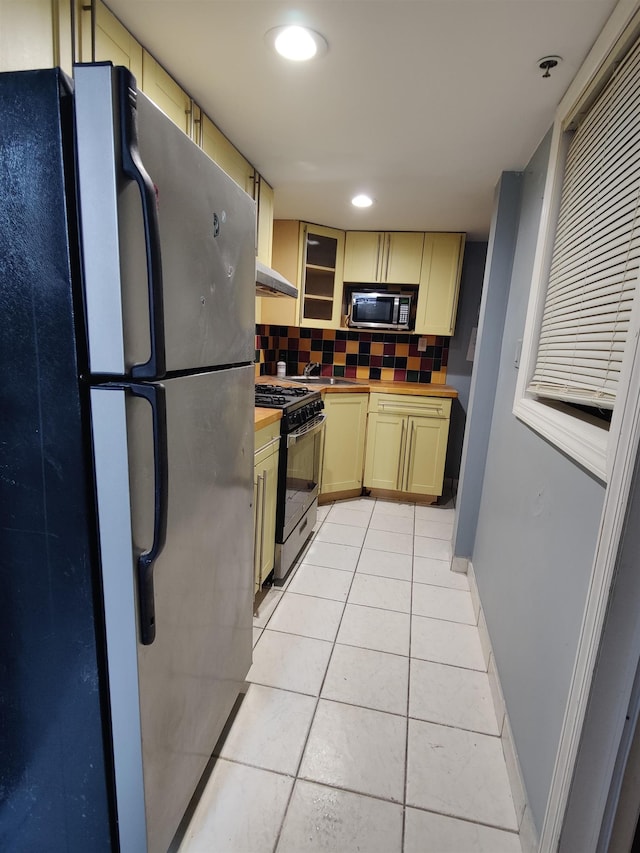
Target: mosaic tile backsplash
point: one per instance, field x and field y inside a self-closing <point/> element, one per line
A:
<point x="353" y="355"/>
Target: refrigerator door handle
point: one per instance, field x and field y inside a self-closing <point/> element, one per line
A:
<point x="133" y="168"/>
<point x="155" y="396"/>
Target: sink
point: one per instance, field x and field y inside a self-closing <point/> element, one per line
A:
<point x="321" y="380"/>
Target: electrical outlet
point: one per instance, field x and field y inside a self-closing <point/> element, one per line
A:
<point x="422" y="344"/>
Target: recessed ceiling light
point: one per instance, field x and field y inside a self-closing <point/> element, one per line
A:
<point x="296" y="43"/>
<point x="362" y="201"/>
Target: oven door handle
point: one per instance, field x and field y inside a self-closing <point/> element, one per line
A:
<point x="309" y="428"/>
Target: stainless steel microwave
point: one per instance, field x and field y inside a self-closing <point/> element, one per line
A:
<point x="381" y="310"/>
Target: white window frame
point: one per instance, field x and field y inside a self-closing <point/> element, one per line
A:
<point x="580" y="437"/>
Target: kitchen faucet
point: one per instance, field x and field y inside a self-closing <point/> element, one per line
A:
<point x="306" y="372"/>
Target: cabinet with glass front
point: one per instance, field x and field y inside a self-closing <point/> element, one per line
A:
<point x="322" y="257"/>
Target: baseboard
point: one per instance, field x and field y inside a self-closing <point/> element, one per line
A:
<point x="460" y="564"/>
<point x="330" y="497"/>
<point x="403" y="497"/>
<point x="526" y="826"/>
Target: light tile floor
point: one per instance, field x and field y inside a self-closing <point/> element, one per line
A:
<point x="368" y="723"/>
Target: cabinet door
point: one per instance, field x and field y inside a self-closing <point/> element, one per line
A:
<point x="426" y="452"/>
<point x="63" y="35"/>
<point x="27" y="35"/>
<point x="269" y="474"/>
<point x="439" y="284"/>
<point x="165" y="93"/>
<point x="265" y="220"/>
<point x="402" y="257"/>
<point x="344" y="442"/>
<point x="226" y="155"/>
<point x="322" y="252"/>
<point x="265" y="481"/>
<point x="384" y="465"/>
<point x="362" y="256"/>
<point x="257" y="528"/>
<point x="393" y="257"/>
<point x="285" y="258"/>
<point x="114" y="43"/>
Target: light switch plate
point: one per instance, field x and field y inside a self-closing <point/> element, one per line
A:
<point x="516" y="360"/>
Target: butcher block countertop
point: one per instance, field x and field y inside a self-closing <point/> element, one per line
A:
<point x="366" y="386"/>
<point x="380" y="386"/>
<point x="265" y="417"/>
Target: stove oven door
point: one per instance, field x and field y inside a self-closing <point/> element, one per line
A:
<point x="302" y="471"/>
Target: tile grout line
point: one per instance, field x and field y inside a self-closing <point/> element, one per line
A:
<point x="406" y="736"/>
<point x="407" y="716"/>
<point x="374" y="607"/>
<point x="315" y="710"/>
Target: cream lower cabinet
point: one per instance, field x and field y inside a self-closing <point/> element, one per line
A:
<point x="344" y="440"/>
<point x="265" y="490"/>
<point x="406" y="443"/>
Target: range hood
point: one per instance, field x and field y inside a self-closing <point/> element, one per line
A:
<point x="271" y="283"/>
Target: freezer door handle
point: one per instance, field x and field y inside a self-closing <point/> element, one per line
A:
<point x="155" y="396"/>
<point x="133" y="168"/>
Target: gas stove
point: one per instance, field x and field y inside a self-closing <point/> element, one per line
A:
<point x="298" y="404"/>
<point x="301" y="436"/>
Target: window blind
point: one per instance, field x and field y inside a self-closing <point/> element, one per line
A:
<point x="596" y="254"/>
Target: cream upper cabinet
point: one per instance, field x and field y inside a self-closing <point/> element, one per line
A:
<point x="310" y="257"/>
<point x="37" y="34"/>
<point x="165" y="93"/>
<point x="344" y="438"/>
<point x="391" y="257"/>
<point x="361" y="256"/>
<point x="113" y="42"/>
<point x="407" y="443"/>
<point x="439" y="284"/>
<point x="264" y="237"/>
<point x="217" y="146"/>
<point x="264" y="199"/>
<point x="285" y="258"/>
<point x="322" y="253"/>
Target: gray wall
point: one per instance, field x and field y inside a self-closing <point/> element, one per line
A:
<point x="492" y="311"/>
<point x="535" y="540"/>
<point x="458" y="368"/>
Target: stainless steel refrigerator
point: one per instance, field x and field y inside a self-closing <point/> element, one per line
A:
<point x="127" y="269"/>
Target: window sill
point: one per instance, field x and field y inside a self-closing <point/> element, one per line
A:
<point x="579" y="438"/>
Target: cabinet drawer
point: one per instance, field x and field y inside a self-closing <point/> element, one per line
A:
<point x="401" y="404"/>
<point x="267" y="440"/>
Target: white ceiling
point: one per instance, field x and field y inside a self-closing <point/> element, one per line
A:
<point x="420" y="103"/>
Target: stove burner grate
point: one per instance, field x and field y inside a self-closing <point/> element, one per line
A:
<point x="268" y="400"/>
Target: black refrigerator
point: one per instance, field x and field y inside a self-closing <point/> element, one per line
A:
<point x="127" y="270"/>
